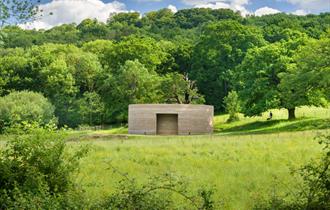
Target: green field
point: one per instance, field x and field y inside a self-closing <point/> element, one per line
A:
<point x="244" y="162"/>
<point x="242" y="169"/>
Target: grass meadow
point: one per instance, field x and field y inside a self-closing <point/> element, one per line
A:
<point x="244" y="162"/>
<point x="241" y="168"/>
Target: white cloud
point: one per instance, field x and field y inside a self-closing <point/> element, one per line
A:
<point x="172" y="8"/>
<point x="74" y="11"/>
<point x="310" y="4"/>
<point x="300" y="12"/>
<point x="199" y="2"/>
<point x="236" y="5"/>
<point x="266" y="11"/>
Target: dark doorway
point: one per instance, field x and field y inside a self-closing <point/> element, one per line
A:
<point x="167" y="124"/>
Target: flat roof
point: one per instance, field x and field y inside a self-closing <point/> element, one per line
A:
<point x="171" y="105"/>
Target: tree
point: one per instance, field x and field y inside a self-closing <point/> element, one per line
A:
<point x="17" y="37"/>
<point x="263" y="80"/>
<point x="99" y="48"/>
<point x="13" y="71"/>
<point x="308" y="80"/>
<point x="221" y="48"/>
<point x="17" y="11"/>
<point x="132" y="84"/>
<point x="273" y="25"/>
<point x="87" y="70"/>
<point x="144" y="49"/>
<point x="64" y="73"/>
<point x="91" y="108"/>
<point x="18" y="107"/>
<point x="159" y="19"/>
<point x="177" y="88"/>
<point x="129" y="19"/>
<point x="63" y="34"/>
<point x="232" y="105"/>
<point x="190" y="18"/>
<point x="92" y="30"/>
<point x="2" y="38"/>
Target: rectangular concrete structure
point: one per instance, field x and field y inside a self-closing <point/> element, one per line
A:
<point x="170" y="119"/>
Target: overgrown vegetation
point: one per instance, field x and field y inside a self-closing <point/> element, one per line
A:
<point x="91" y="71"/>
<point x="36" y="172"/>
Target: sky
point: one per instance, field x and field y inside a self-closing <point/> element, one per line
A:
<point x="74" y="11"/>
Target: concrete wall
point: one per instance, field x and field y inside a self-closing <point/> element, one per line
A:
<point x="192" y="119"/>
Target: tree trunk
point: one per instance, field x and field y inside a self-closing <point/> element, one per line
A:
<point x="292" y="113"/>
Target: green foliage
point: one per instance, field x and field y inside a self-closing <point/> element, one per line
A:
<point x="25" y="106"/>
<point x="177" y="88"/>
<point x="274" y="25"/>
<point x="145" y="49"/>
<point x="190" y="18"/>
<point x="91" y="109"/>
<point x="259" y="77"/>
<point x="163" y="18"/>
<point x="2" y="38"/>
<point x="222" y="47"/>
<point x="311" y="72"/>
<point x="211" y="46"/>
<point x="131" y="18"/>
<point x="17" y="37"/>
<point x="266" y="78"/>
<point x="17" y="11"/>
<point x="132" y="84"/>
<point x="92" y="30"/>
<point x="63" y="34"/>
<point x="36" y="172"/>
<point x="62" y="72"/>
<point x="232" y="105"/>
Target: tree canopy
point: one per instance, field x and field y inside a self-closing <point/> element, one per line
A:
<point x="92" y="70"/>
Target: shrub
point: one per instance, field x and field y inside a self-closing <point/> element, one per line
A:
<point x="25" y="106"/>
<point x="36" y="172"/>
<point x="232" y="104"/>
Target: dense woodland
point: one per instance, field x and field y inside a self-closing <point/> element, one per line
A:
<point x="92" y="71"/>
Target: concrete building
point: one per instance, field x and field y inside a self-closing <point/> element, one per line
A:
<point x="170" y="119"/>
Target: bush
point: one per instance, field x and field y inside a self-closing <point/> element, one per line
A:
<point x="25" y="106"/>
<point x="232" y="104"/>
<point x="36" y="172"/>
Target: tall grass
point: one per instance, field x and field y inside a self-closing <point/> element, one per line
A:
<point x="243" y="169"/>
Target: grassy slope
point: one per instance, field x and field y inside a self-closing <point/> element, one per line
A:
<point x="244" y="160"/>
<point x="308" y="118"/>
